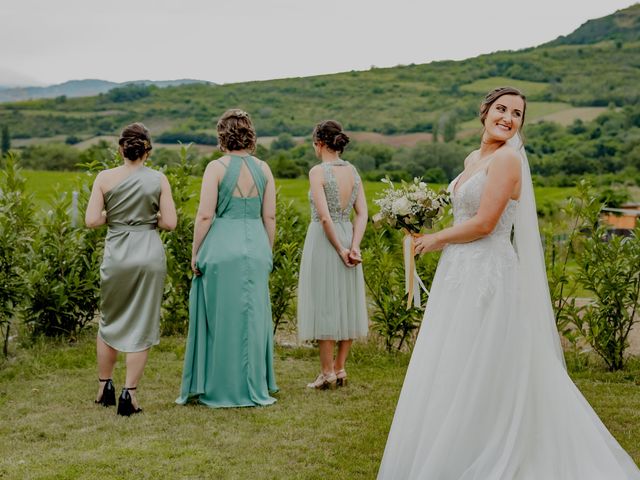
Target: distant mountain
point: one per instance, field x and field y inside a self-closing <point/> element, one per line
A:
<point x="79" y="88"/>
<point x="623" y="25"/>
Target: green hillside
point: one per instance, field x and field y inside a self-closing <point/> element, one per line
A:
<point x="624" y="25"/>
<point x="402" y="99"/>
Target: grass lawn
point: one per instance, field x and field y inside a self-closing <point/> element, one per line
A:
<point x="51" y="429"/>
<point x="43" y="184"/>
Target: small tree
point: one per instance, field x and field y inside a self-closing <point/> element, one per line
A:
<point x="65" y="274"/>
<point x="16" y="230"/>
<point x="384" y="277"/>
<point x="5" y="141"/>
<point x="606" y="267"/>
<point x="450" y="129"/>
<point x="609" y="269"/>
<point x="283" y="282"/>
<point x="175" y="315"/>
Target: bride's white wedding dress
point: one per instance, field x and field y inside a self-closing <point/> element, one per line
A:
<point x="486" y="395"/>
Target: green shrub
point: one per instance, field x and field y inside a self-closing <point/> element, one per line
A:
<point x="16" y="230"/>
<point x="175" y="308"/>
<point x="287" y="251"/>
<point x="384" y="276"/>
<point x="609" y="269"/>
<point x="64" y="277"/>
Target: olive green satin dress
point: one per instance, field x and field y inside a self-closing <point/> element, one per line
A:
<point x="229" y="356"/>
<point x="133" y="269"/>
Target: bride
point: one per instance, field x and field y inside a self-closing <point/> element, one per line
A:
<point x="486" y="395"/>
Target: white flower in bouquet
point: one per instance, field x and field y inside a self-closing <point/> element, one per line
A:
<point x="412" y="206"/>
<point x="401" y="206"/>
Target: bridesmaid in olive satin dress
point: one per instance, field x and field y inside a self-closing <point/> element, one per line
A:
<point x="133" y="200"/>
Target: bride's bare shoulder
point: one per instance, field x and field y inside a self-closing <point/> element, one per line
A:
<point x="506" y="159"/>
<point x="507" y="154"/>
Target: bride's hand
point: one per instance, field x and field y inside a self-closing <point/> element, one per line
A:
<point x="427" y="243"/>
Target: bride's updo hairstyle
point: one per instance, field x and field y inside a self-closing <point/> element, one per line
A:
<point x="330" y="134"/>
<point x="135" y="141"/>
<point x="494" y="95"/>
<point x="236" y="132"/>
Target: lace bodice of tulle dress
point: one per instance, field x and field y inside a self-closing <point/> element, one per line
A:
<point x="487" y="258"/>
<point x="466" y="202"/>
<point x="332" y="193"/>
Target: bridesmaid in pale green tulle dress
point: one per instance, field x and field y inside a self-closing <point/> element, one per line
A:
<point x="331" y="294"/>
<point x="229" y="355"/>
<point x="136" y="201"/>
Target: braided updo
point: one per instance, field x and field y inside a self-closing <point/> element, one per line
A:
<point x="330" y="134"/>
<point x="135" y="141"/>
<point x="235" y="131"/>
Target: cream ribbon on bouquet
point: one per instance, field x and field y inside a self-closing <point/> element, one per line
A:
<point x="413" y="282"/>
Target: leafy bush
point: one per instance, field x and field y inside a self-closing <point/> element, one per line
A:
<point x="187" y="137"/>
<point x="16" y="230"/>
<point x="609" y="269"/>
<point x="57" y="156"/>
<point x="384" y="276"/>
<point x="283" y="167"/>
<point x="175" y="308"/>
<point x="287" y="251"/>
<point x="129" y="93"/>
<point x="64" y="276"/>
<point x="606" y="266"/>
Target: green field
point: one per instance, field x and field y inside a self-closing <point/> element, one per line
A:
<point x="45" y="184"/>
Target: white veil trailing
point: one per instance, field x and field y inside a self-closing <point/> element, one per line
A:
<point x="535" y="300"/>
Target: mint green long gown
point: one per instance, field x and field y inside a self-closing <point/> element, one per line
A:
<point x="229" y="354"/>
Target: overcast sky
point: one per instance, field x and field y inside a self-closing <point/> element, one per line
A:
<point x="224" y="41"/>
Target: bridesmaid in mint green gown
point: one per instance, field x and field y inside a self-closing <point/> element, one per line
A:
<point x="229" y="354"/>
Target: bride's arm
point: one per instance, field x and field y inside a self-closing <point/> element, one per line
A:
<point x="503" y="181"/>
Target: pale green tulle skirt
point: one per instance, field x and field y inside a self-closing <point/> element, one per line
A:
<point x="331" y="296"/>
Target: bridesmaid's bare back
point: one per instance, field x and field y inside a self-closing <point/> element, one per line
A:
<point x="345" y="178"/>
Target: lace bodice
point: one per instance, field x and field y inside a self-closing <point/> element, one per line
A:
<point x="332" y="193"/>
<point x="466" y="202"/>
<point x="488" y="258"/>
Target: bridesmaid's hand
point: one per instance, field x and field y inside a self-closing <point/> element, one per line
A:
<point x="427" y="243"/>
<point x="194" y="269"/>
<point x="354" y="256"/>
<point x="344" y="256"/>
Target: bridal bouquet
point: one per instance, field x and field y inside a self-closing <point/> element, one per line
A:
<point x="411" y="206"/>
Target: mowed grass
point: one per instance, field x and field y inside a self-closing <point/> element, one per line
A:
<point x="45" y="184"/>
<point x="51" y="429"/>
<point x="484" y="85"/>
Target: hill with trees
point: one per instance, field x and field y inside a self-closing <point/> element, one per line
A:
<point x="583" y="110"/>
